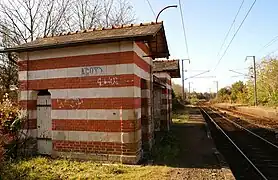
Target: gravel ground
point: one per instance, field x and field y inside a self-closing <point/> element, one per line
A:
<point x="199" y="174"/>
<point x="197" y="159"/>
<point x="266" y="128"/>
<point x="268" y="123"/>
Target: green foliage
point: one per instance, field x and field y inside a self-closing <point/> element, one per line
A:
<point x="180" y="116"/>
<point x="177" y="91"/>
<point x="238" y="92"/>
<point x="267" y="82"/>
<point x="194" y="100"/>
<point x="223" y="95"/>
<point x="176" y="101"/>
<point x="10" y="124"/>
<point x="166" y="148"/>
<point x="267" y="86"/>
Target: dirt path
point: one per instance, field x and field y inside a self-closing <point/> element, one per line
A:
<point x="197" y="158"/>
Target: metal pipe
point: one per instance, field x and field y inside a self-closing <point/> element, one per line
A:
<point x="175" y="6"/>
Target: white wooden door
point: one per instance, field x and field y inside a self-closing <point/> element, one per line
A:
<point x="44" y="124"/>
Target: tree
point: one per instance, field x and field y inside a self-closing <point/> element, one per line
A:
<point x="177" y="89"/>
<point x="28" y="19"/>
<point x="223" y="95"/>
<point x="92" y="13"/>
<point x="267" y="84"/>
<point x="8" y="70"/>
<point x="238" y="92"/>
<point x="23" y="21"/>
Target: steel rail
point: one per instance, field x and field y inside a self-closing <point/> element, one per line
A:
<point x="254" y="134"/>
<point x="241" y="152"/>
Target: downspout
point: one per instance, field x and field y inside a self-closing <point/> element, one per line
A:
<point x="27" y="88"/>
<point x="152" y="102"/>
<point x="122" y="135"/>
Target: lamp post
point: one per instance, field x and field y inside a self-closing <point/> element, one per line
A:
<point x="172" y="6"/>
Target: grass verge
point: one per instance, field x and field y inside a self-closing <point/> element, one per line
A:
<point x="166" y="152"/>
<point x="167" y="147"/>
<point x="44" y="168"/>
<point x="180" y="116"/>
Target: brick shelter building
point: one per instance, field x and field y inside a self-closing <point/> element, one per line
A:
<point x="164" y="70"/>
<point x="89" y="94"/>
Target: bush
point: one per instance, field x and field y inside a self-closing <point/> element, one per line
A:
<point x="166" y="148"/>
<point x="11" y="121"/>
<point x="176" y="102"/>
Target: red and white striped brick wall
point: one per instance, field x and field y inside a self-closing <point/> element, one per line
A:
<point x="146" y="103"/>
<point x="90" y="86"/>
<point x="166" y="110"/>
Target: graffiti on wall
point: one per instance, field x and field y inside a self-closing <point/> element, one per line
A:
<point x="102" y="81"/>
<point x="87" y="71"/>
<point x="73" y="103"/>
<point x="107" y="81"/>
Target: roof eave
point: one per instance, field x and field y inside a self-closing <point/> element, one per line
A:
<point x="173" y="73"/>
<point x="75" y="43"/>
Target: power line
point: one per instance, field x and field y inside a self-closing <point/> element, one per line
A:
<point x="230" y="28"/>
<point x="269" y="43"/>
<point x="183" y="27"/>
<point x="235" y="34"/>
<point x="270" y="53"/>
<point x="151" y="8"/>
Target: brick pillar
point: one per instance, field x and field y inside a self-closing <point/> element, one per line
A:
<point x="170" y="104"/>
<point x="146" y="119"/>
<point x="165" y="110"/>
<point x="157" y="107"/>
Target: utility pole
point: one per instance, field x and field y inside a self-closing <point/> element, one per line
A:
<point x="255" y="79"/>
<point x="216" y="82"/>
<point x="189" y="89"/>
<point x="216" y="86"/>
<point x="182" y="76"/>
<point x="210" y="93"/>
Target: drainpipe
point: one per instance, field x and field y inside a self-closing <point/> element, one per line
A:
<point x="122" y="134"/>
<point x="27" y="116"/>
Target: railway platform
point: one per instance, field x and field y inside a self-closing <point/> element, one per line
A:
<point x="200" y="158"/>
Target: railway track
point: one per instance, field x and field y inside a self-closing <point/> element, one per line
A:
<point x="249" y="155"/>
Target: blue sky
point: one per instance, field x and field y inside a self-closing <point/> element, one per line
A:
<point x="207" y="22"/>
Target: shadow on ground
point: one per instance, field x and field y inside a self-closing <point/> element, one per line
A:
<point x="187" y="144"/>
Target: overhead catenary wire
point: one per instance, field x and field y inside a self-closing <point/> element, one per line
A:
<point x="273" y="40"/>
<point x="230" y="28"/>
<point x="151" y="8"/>
<point x="184" y="32"/>
<point x="242" y="22"/>
<point x="270" y="53"/>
